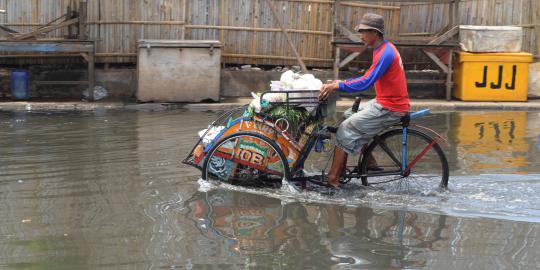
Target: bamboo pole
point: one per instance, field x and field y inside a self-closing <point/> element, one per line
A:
<point x="242" y="28"/>
<point x="256" y="11"/>
<point x="260" y="56"/>
<point x="83" y="18"/>
<point x="275" y="57"/>
<point x="309" y="1"/>
<point x="396" y="15"/>
<point x="336" y="63"/>
<point x="449" y="75"/>
<point x="369" y="6"/>
<point x="46" y="29"/>
<point x="219" y="27"/>
<point x="222" y="17"/>
<point x="139" y="22"/>
<point x="536" y="20"/>
<point x="274" y="12"/>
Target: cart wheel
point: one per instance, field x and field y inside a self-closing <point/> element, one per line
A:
<point x="246" y="159"/>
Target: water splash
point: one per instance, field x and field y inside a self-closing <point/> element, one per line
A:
<point x="508" y="197"/>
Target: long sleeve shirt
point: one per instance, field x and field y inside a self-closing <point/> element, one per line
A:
<point x="388" y="76"/>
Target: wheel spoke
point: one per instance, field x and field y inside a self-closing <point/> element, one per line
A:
<point x="429" y="170"/>
<point x="247" y="159"/>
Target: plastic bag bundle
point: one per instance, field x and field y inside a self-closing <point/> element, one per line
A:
<point x="294" y="81"/>
<point x="288" y="81"/>
<point x="99" y="93"/>
<point x="258" y="105"/>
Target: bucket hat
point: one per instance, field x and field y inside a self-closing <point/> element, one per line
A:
<point x="371" y="21"/>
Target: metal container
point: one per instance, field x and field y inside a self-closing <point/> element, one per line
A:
<point x="178" y="70"/>
<point x="504" y="39"/>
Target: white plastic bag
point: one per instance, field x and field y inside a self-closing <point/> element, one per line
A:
<point x="99" y="93"/>
<point x="258" y="105"/>
<point x="213" y="131"/>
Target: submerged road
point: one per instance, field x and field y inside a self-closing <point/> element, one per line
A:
<point x="106" y="189"/>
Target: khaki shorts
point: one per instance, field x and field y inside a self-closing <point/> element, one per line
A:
<point x="360" y="127"/>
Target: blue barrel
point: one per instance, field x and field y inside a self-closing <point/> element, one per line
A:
<point x="19" y="84"/>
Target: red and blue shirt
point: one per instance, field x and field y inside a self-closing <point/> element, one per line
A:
<point x="388" y="76"/>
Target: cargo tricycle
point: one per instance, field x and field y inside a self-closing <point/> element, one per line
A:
<point x="242" y="147"/>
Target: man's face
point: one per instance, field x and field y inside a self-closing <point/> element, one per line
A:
<point x="369" y="37"/>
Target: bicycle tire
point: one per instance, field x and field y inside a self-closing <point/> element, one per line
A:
<point x="429" y="168"/>
<point x="241" y="172"/>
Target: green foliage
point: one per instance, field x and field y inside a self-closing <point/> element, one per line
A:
<point x="295" y="115"/>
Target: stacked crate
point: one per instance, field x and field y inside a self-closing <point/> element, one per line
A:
<point x="491" y="66"/>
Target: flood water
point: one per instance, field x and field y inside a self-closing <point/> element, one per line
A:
<point x="107" y="190"/>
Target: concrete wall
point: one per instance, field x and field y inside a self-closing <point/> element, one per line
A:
<point x="241" y="83"/>
<point x="121" y="83"/>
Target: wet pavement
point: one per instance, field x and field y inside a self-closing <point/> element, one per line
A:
<point x="107" y="190"/>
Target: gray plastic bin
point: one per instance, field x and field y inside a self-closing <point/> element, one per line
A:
<point x="178" y="70"/>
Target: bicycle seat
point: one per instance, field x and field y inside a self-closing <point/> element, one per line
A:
<point x="419" y="114"/>
<point x="413" y="115"/>
<point x="406" y="119"/>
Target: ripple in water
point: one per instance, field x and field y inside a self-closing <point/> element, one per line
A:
<point x="511" y="197"/>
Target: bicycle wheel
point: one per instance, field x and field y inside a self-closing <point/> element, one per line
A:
<point x="246" y="159"/>
<point x="429" y="165"/>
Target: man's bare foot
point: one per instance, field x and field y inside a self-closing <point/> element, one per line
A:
<point x="332" y="181"/>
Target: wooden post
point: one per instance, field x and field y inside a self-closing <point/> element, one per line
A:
<point x="222" y="21"/>
<point x="396" y="15"/>
<point x="335" y="30"/>
<point x="336" y="23"/>
<point x="91" y="75"/>
<point x="274" y="12"/>
<point x="535" y="6"/>
<point x="69" y="16"/>
<point x="451" y="16"/>
<point x="336" y="63"/>
<point x="83" y="17"/>
<point x="449" y="81"/>
<point x="184" y="18"/>
<point x="256" y="11"/>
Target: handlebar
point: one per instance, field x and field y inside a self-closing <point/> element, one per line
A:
<point x="356" y="104"/>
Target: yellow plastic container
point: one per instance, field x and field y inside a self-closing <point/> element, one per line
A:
<point x="492" y="76"/>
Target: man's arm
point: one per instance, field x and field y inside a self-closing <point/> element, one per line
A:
<point x="377" y="69"/>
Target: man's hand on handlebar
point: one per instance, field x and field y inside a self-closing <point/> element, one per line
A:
<point x="328" y="88"/>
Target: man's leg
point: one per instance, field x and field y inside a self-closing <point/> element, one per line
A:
<point x="338" y="165"/>
<point x="371" y="161"/>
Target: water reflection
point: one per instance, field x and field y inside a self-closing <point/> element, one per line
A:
<point x="265" y="232"/>
<point x="487" y="141"/>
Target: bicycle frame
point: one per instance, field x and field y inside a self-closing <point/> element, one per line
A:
<point x="405" y="168"/>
